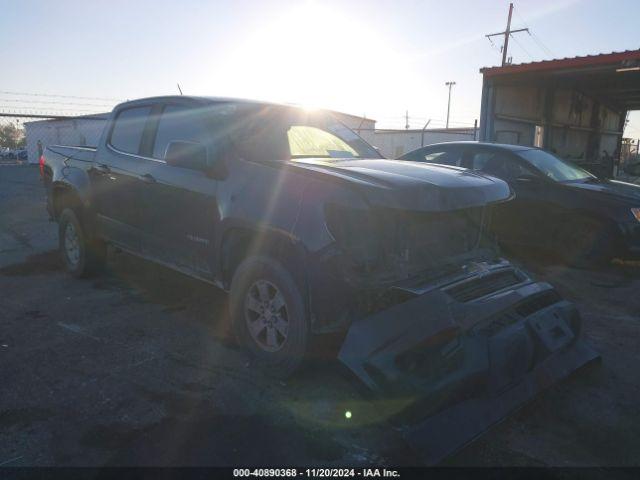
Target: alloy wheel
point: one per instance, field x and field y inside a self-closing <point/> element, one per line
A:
<point x="266" y="315"/>
<point x="71" y="245"/>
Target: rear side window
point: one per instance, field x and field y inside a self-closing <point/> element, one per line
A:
<point x="128" y="129"/>
<point x="179" y="123"/>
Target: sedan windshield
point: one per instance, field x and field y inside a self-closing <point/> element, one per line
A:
<point x="554" y="167"/>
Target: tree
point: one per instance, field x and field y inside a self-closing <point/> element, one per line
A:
<point x="11" y="136"/>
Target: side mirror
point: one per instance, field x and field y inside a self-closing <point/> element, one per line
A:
<point x="190" y="155"/>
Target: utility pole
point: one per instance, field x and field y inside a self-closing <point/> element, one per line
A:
<point x="507" y="33"/>
<point x="449" y="84"/>
<point x="406" y="120"/>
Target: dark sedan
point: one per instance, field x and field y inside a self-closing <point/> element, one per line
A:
<point x="558" y="206"/>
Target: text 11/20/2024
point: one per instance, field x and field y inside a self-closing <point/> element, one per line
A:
<point x="315" y="472"/>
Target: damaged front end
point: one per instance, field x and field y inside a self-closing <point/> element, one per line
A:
<point x="443" y="326"/>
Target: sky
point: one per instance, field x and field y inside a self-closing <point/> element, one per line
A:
<point x="376" y="58"/>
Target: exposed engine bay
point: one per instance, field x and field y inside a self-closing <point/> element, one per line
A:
<point x="389" y="244"/>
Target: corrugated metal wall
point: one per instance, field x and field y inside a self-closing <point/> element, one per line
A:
<point x="576" y="127"/>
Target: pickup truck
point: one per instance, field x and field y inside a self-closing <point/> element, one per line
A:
<point x="311" y="231"/>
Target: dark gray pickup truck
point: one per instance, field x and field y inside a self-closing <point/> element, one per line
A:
<point x="311" y="231"/>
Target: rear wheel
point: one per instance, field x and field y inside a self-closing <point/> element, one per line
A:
<point x="81" y="254"/>
<point x="269" y="315"/>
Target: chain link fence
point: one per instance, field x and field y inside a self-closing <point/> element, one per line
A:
<point x="76" y="131"/>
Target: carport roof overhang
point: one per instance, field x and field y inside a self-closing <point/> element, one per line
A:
<point x="611" y="78"/>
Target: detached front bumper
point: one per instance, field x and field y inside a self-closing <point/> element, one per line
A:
<point x="443" y="434"/>
<point x="458" y="367"/>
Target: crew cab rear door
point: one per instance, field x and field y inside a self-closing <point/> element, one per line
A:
<point x="115" y="177"/>
<point x="179" y="204"/>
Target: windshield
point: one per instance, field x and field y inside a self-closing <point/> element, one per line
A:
<point x="264" y="133"/>
<point x="554" y="167"/>
<point x="308" y="141"/>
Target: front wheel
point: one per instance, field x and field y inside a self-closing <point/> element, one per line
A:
<point x="268" y="314"/>
<point x="82" y="255"/>
<point x="585" y="242"/>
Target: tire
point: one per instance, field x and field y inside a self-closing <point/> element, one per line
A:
<point x="268" y="315"/>
<point x="586" y="242"/>
<point x="81" y="253"/>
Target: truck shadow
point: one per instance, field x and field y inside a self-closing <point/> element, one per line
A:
<point x="141" y="281"/>
<point x="39" y="263"/>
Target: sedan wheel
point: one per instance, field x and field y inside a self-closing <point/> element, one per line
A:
<point x="585" y="242"/>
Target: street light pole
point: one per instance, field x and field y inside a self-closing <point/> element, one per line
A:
<point x="449" y="84"/>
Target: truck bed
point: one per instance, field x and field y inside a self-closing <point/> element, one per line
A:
<point x="81" y="153"/>
<point x="65" y="164"/>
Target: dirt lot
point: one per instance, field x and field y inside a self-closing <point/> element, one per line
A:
<point x="134" y="367"/>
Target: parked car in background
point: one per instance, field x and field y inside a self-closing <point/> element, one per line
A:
<point x="558" y="206"/>
<point x="21" y="154"/>
<point x="311" y="232"/>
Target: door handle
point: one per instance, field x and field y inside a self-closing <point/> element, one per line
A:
<point x="102" y="168"/>
<point x="148" y="178"/>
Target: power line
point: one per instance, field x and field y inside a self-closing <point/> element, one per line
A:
<point x="28" y="94"/>
<point x="522" y="47"/>
<point x="538" y="40"/>
<point x="495" y="47"/>
<point x="40" y="110"/>
<point x="535" y="37"/>
<point x="45" y="102"/>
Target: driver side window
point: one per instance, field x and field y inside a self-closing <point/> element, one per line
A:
<point x="499" y="165"/>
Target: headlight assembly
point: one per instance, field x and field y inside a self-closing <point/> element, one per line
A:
<point x="357" y="232"/>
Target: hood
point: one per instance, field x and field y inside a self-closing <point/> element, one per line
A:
<point x="411" y="185"/>
<point x="625" y="192"/>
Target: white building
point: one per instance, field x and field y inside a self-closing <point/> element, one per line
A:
<point x="394" y="143"/>
<point x="78" y="131"/>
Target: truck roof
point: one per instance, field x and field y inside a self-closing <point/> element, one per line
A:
<point x="198" y="99"/>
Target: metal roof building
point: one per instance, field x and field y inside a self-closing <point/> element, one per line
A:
<point x="576" y="107"/>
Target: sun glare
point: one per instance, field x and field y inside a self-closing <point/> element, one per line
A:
<point x="314" y="56"/>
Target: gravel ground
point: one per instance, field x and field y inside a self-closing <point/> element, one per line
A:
<point x="135" y="367"/>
